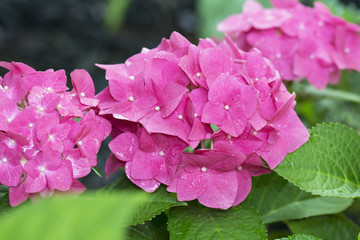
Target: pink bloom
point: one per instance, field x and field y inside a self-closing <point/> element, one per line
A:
<point x="230" y="104"/>
<point x="164" y="99"/>
<point x="286" y="33"/>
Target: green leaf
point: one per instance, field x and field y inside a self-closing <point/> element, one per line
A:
<point x="115" y="14"/>
<point x="156" y="202"/>
<point x="328" y="164"/>
<point x="278" y="200"/>
<point x="96" y="171"/>
<point x="301" y="237"/>
<point x="332" y="227"/>
<point x="202" y="223"/>
<point x="212" y="12"/>
<point x="83" y="217"/>
<point x="150" y="230"/>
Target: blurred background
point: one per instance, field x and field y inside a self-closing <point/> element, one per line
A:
<point x="70" y="34"/>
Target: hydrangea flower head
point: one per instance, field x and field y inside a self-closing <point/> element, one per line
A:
<point x="43" y="149"/>
<point x="301" y="42"/>
<point x="180" y="92"/>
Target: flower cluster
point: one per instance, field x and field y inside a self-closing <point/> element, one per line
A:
<point x="166" y="99"/>
<point x="301" y="42"/>
<point x="43" y="148"/>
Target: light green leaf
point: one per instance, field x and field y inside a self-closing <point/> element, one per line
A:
<point x="115" y="14"/>
<point x="278" y="200"/>
<point x="212" y="12"/>
<point x="332" y="227"/>
<point x="202" y="223"/>
<point x="156" y="203"/>
<point x="328" y="164"/>
<point x="83" y="217"/>
<point x="300" y="237"/>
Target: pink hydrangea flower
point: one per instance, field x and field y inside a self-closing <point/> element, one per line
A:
<point x="301" y="42"/>
<point x="40" y="154"/>
<point x="183" y="90"/>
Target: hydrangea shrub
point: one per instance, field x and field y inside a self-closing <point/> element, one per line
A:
<point x="301" y="42"/>
<point x="166" y="99"/>
<point x="44" y="149"/>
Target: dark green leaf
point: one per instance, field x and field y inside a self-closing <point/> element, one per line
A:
<point x="150" y="230"/>
<point x="202" y="223"/>
<point x="332" y="227"/>
<point x="301" y="237"/>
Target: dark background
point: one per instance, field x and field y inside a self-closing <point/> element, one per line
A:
<point x="69" y="34"/>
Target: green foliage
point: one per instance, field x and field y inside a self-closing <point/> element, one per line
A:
<point x="301" y="237"/>
<point x="278" y="200"/>
<point x="156" y="203"/>
<point x="349" y="11"/>
<point x="328" y="164"/>
<point x="150" y="230"/>
<point x="4" y="199"/>
<point x="332" y="227"/>
<point x="115" y="14"/>
<point x="82" y="217"/>
<point x="202" y="223"/>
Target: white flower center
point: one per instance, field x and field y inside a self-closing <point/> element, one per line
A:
<point x="9" y="120"/>
<point x="6" y="88"/>
<point x="278" y="55"/>
<point x="180" y="117"/>
<point x="239" y="168"/>
<point x="31" y="125"/>
<point x="132" y="78"/>
<point x="41" y="109"/>
<point x="195" y="115"/>
<point x="79" y="143"/>
<point x="49" y="89"/>
<point x="157" y="108"/>
<point x="82" y="94"/>
<point x="23" y="161"/>
<point x="226" y="107"/>
<point x="198" y="74"/>
<point x="161" y="153"/>
<point x="58" y="106"/>
<point x="51" y="137"/>
<point x="131" y="98"/>
<point x="42" y="169"/>
<point x="228" y="136"/>
<point x="203" y="169"/>
<point x="4" y="160"/>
